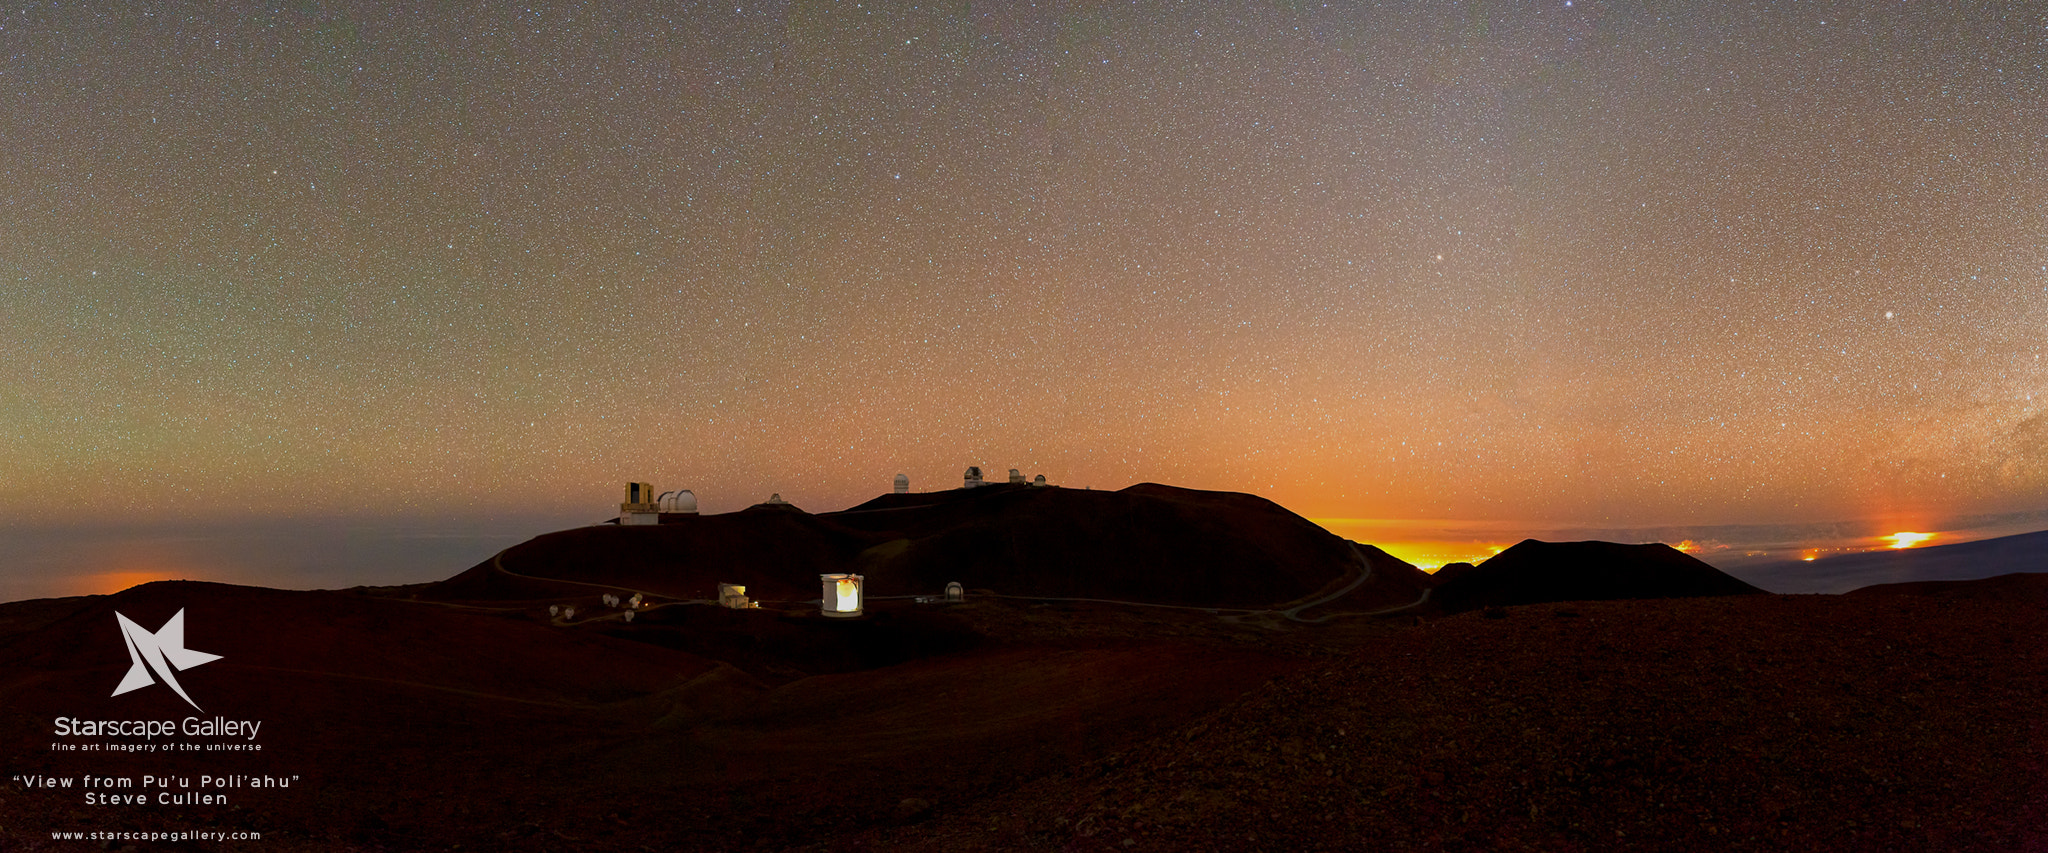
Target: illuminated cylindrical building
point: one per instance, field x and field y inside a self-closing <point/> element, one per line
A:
<point x="842" y="595"/>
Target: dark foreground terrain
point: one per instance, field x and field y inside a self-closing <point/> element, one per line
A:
<point x="1892" y="719"/>
<point x="1889" y="720"/>
<point x="1237" y="679"/>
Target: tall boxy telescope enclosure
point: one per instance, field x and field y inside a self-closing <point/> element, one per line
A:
<point x="842" y="595"/>
<point x="902" y="484"/>
<point x="640" y="506"/>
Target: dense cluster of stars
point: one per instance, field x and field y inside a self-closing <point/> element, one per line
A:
<point x="1599" y="263"/>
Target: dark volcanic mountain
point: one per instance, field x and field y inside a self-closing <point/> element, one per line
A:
<point x="1149" y="543"/>
<point x="1533" y="572"/>
<point x="2018" y="586"/>
<point x="1451" y="572"/>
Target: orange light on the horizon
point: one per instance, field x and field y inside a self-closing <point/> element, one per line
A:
<point x="1903" y="539"/>
<point x="1430" y="556"/>
<point x="1426" y="545"/>
<point x="108" y="583"/>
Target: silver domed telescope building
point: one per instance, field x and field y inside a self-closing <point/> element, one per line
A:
<point x="680" y="502"/>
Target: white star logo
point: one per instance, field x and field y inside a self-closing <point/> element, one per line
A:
<point x="163" y="651"/>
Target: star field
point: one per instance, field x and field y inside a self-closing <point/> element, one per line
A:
<point x="1593" y="263"/>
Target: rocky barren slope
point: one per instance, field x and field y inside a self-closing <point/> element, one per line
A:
<point x="1273" y="691"/>
<point x="1881" y="721"/>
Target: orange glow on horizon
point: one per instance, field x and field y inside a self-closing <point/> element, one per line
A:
<point x="108" y="583"/>
<point x="1427" y="554"/>
<point x="1902" y="539"/>
<point x="1431" y="555"/>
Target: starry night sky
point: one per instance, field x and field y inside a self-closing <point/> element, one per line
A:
<point x="1456" y="265"/>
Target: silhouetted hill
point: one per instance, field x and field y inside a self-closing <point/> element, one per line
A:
<point x="767" y="549"/>
<point x="1147" y="543"/>
<point x="1984" y="558"/>
<point x="1533" y="572"/>
<point x="1451" y="572"/>
<point x="2019" y="586"/>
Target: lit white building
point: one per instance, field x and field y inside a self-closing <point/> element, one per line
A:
<point x="842" y="595"/>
